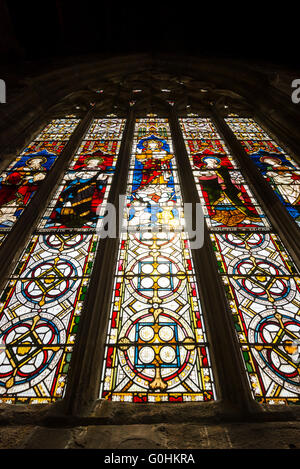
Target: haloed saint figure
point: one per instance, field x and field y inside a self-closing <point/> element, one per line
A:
<point x="81" y="195"/>
<point x="225" y="194"/>
<point x="153" y="197"/>
<point x="285" y="179"/>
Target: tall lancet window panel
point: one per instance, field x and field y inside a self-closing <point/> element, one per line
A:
<point x="156" y="348"/>
<point x="260" y="279"/>
<point x="20" y="181"/>
<point x="275" y="164"/>
<point x="42" y="302"/>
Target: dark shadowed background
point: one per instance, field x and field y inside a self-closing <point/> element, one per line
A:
<point x="41" y="30"/>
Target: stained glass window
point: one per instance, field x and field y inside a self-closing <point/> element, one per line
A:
<point x="41" y="304"/>
<point x="156" y="348"/>
<point x="274" y="163"/>
<point x="260" y="280"/>
<point x="22" y="178"/>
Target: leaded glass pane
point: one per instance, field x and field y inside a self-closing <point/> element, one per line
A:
<point x="277" y="167"/>
<point x="260" y="280"/>
<point x="42" y="301"/>
<point x="156" y="348"/>
<point x="22" y="178"/>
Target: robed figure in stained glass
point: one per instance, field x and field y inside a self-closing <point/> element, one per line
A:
<point x="153" y="192"/>
<point x="82" y="194"/>
<point x="19" y="184"/>
<point x="225" y="193"/>
<point x="285" y="177"/>
<point x="155" y="157"/>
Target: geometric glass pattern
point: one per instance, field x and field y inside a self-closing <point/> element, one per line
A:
<point x="41" y="304"/>
<point x="260" y="280"/>
<point x="277" y="167"/>
<point x="22" y="178"/>
<point x="156" y="349"/>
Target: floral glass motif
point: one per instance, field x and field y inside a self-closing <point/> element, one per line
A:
<point x="41" y="304"/>
<point x="156" y="347"/>
<point x="22" y="178"/>
<point x="274" y="163"/>
<point x="260" y="280"/>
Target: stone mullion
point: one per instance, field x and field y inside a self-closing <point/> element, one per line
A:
<point x="281" y="221"/>
<point x="231" y="382"/>
<point x="87" y="360"/>
<point x="14" y="243"/>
